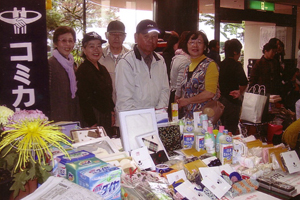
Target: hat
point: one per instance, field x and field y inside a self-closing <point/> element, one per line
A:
<point x="116" y="26"/>
<point x="92" y="36"/>
<point x="147" y="26"/>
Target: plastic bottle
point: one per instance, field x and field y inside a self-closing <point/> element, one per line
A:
<point x="204" y="120"/>
<point x="188" y="135"/>
<point x="210" y="131"/>
<point x="199" y="138"/>
<point x="209" y="144"/>
<point x="181" y="126"/>
<point x="225" y="138"/>
<point x="221" y="128"/>
<point x="226" y="148"/>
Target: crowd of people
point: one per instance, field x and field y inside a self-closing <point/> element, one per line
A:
<point x="188" y="72"/>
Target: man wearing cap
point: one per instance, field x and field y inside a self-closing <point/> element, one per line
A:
<point x="141" y="75"/>
<point x="114" y="50"/>
<point x="112" y="53"/>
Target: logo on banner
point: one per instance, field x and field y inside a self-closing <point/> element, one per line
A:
<point x="19" y="19"/>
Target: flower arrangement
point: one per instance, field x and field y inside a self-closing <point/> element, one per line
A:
<point x="5" y="113"/>
<point x="25" y="147"/>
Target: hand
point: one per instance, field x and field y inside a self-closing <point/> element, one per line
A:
<point x="235" y="94"/>
<point x="183" y="102"/>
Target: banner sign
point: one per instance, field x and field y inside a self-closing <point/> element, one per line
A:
<point x="23" y="55"/>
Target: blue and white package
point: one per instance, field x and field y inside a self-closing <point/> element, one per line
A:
<point x="74" y="168"/>
<point x="75" y="156"/>
<point x="104" y="180"/>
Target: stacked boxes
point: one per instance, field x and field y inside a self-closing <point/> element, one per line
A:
<point x="74" y="168"/>
<point x="103" y="180"/>
<point x="75" y="156"/>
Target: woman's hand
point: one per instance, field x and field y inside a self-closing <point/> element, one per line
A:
<point x="183" y="102"/>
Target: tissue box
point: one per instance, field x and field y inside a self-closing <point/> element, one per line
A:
<point x="104" y="180"/>
<point x="74" y="168"/>
<point x="75" y="156"/>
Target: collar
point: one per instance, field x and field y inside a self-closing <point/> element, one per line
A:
<point x="107" y="52"/>
<point x="139" y="56"/>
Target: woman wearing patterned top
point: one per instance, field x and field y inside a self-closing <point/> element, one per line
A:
<point x="200" y="80"/>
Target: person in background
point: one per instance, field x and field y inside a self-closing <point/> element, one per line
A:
<point x="266" y="71"/>
<point x="214" y="51"/>
<point x="111" y="55"/>
<point x="141" y="74"/>
<point x="169" y="51"/>
<point x="64" y="105"/>
<point x="200" y="80"/>
<point x="178" y="64"/>
<point x="95" y="85"/>
<point x="233" y="83"/>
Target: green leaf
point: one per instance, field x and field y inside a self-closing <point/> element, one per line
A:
<point x="20" y="179"/>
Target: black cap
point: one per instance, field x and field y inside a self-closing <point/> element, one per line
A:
<point x="116" y="26"/>
<point x="92" y="36"/>
<point x="147" y="26"/>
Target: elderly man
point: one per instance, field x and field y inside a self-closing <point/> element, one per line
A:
<point x="114" y="50"/>
<point x="111" y="55"/>
<point x="141" y="75"/>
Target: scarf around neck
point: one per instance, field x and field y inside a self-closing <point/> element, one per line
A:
<point x="68" y="65"/>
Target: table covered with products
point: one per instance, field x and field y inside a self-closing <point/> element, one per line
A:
<point x="188" y="159"/>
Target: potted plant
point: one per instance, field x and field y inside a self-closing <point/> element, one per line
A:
<point x="25" y="149"/>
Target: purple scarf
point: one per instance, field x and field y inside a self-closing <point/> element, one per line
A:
<point x="68" y="65"/>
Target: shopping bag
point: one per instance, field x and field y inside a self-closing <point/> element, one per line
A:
<point x="254" y="103"/>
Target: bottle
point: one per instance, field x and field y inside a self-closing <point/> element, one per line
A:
<point x="199" y="138"/>
<point x="204" y="121"/>
<point x="210" y="131"/>
<point x="188" y="135"/>
<point x="181" y="126"/>
<point x="226" y="148"/>
<point x="221" y="128"/>
<point x="209" y="144"/>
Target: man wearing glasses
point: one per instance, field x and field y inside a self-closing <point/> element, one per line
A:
<point x="113" y="52"/>
<point x="141" y="74"/>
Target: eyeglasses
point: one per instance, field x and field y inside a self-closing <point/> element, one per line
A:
<point x="195" y="42"/>
<point x="65" y="41"/>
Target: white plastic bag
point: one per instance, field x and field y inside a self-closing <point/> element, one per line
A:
<point x="254" y="103"/>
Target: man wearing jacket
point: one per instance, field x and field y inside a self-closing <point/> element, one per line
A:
<point x="141" y="75"/>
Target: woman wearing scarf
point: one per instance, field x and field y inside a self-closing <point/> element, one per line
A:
<point x="64" y="104"/>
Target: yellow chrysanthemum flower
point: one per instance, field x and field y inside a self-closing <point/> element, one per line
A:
<point x="4" y="114"/>
<point x="33" y="138"/>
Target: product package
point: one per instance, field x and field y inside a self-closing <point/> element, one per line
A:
<point x="75" y="168"/>
<point x="103" y="180"/>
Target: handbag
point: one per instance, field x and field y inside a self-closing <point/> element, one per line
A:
<point x="214" y="110"/>
<point x="254" y="103"/>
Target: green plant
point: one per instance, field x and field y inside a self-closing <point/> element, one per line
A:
<point x="25" y="147"/>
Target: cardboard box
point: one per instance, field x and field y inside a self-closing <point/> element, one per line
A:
<point x="104" y="180"/>
<point x="75" y="156"/>
<point x="74" y="168"/>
